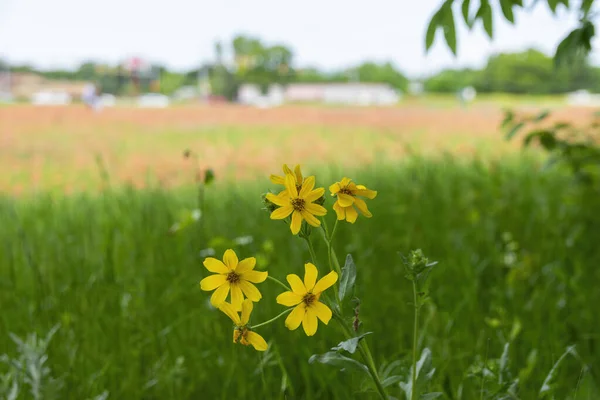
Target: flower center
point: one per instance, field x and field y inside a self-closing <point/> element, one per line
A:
<point x="241" y="334"/>
<point x="232" y="277"/>
<point x="347" y="191"/>
<point x="298" y="204"/>
<point x="309" y="299"/>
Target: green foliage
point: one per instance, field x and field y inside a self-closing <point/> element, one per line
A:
<point x="348" y="277"/>
<point x="126" y="293"/>
<point x="578" y="41"/>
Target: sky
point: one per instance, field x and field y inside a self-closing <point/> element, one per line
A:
<point x="328" y="34"/>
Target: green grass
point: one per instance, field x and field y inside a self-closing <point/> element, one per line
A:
<point x="516" y="248"/>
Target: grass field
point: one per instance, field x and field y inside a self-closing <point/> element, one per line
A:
<point x="517" y="252"/>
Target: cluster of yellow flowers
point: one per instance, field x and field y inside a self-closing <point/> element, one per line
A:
<point x="236" y="278"/>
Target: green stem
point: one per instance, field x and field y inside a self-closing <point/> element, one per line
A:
<point x="415" y="335"/>
<point x="272" y="319"/>
<point x="330" y="252"/>
<point x="365" y="353"/>
<point x="286" y="287"/>
<point x="311" y="250"/>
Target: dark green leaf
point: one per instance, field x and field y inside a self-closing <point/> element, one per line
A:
<point x="586" y="6"/>
<point x="338" y="360"/>
<point x="465" y="12"/>
<point x="548" y="140"/>
<point x="541" y="116"/>
<point x="351" y="344"/>
<point x="515" y="129"/>
<point x="450" y="31"/>
<point x="552" y="4"/>
<point x="209" y="176"/>
<point x="508" y="118"/>
<point x="507" y="10"/>
<point x="348" y="277"/>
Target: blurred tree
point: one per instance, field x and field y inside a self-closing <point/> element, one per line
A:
<point x="452" y="80"/>
<point x="381" y="73"/>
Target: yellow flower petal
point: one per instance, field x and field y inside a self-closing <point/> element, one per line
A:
<point x="277" y="180"/>
<point x="282" y="212"/>
<point x="309" y="322"/>
<point x="250" y="291"/>
<point x="339" y="210"/>
<point x="295" y="318"/>
<point x="254" y="276"/>
<point x="345" y="182"/>
<point x="298" y="173"/>
<point x="314" y="195"/>
<point x="219" y="295"/>
<point x="289" y="299"/>
<point x="287" y="170"/>
<point x="311" y="219"/>
<point x="325" y="282"/>
<point x="310" y="276"/>
<point x="246" y="265"/>
<point x="212" y="282"/>
<point x="351" y="214"/>
<point x="230" y="259"/>
<point x="236" y="297"/>
<point x="231" y="313"/>
<point x="236" y="335"/>
<point x="296" y="222"/>
<point x="362" y="207"/>
<point x="214" y="265"/>
<point x="256" y="341"/>
<point x="279" y="200"/>
<point x="323" y="312"/>
<point x="369" y="194"/>
<point x="296" y="284"/>
<point x="345" y="200"/>
<point x="334" y="188"/>
<point x="307" y="186"/>
<point x="315" y="209"/>
<point x="247" y="307"/>
<point x="290" y="185"/>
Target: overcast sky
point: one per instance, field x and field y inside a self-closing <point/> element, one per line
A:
<point x="325" y="33"/>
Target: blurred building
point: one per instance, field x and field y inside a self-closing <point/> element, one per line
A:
<point x="25" y="85"/>
<point x="328" y="93"/>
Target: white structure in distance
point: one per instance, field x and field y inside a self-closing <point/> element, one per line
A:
<point x="364" y="94"/>
<point x="51" y="98"/>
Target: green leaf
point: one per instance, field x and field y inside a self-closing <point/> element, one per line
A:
<point x="348" y="277"/>
<point x="465" y="12"/>
<point x="485" y="14"/>
<point x="548" y="140"/>
<point x="209" y="177"/>
<point x="450" y="31"/>
<point x="431" y="30"/>
<point x="351" y="344"/>
<point x="548" y="385"/>
<point x="338" y="360"/>
<point x="515" y="129"/>
<point x="503" y="366"/>
<point x="391" y="380"/>
<point x="424" y="374"/>
<point x="586" y="6"/>
<point x="541" y="116"/>
<point x="552" y="4"/>
<point x="508" y="118"/>
<point x="507" y="10"/>
<point x="430" y="396"/>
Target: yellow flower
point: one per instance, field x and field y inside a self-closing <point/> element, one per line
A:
<point x="347" y="192"/>
<point x="233" y="275"/>
<point x="299" y="204"/>
<point x="296" y="173"/>
<point x="242" y="333"/>
<point x="305" y="296"/>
